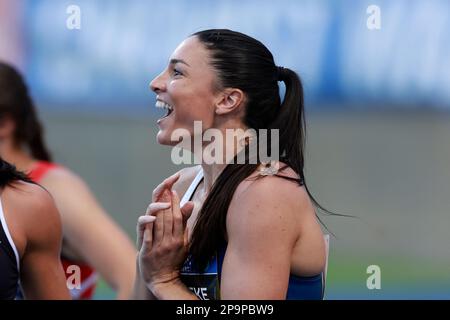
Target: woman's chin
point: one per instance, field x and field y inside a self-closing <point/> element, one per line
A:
<point x="163" y="138"/>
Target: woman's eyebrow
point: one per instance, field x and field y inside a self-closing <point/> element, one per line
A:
<point x="173" y="61"/>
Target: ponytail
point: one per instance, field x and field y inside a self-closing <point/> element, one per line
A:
<point x="291" y="120"/>
<point x="292" y="125"/>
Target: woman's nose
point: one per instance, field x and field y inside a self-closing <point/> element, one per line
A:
<point x="158" y="84"/>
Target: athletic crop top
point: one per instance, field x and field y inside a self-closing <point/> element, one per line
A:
<point x="9" y="261"/>
<point x="206" y="283"/>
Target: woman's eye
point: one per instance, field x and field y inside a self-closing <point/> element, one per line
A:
<point x="177" y="72"/>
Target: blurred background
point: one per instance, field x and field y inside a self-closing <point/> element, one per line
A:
<point x="377" y="108"/>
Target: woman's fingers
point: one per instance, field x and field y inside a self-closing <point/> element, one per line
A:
<point x="158" y="229"/>
<point x="153" y="210"/>
<point x="186" y="211"/>
<point x="179" y="222"/>
<point x="157" y="210"/>
<point x="165" y="185"/>
<point x="168" y="221"/>
<point x="147" y="241"/>
<point x="143" y="221"/>
<point x="178" y="227"/>
<point x="180" y="217"/>
<point x="154" y="207"/>
<point x="186" y="236"/>
<point x="163" y="215"/>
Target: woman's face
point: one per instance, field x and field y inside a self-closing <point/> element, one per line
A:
<point x="187" y="86"/>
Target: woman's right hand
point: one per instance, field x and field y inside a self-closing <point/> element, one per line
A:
<point x="161" y="200"/>
<point x="162" y="240"/>
<point x="145" y="224"/>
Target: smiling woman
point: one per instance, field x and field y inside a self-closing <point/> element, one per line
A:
<point x="189" y="82"/>
<point x="165" y="106"/>
<point x="238" y="232"/>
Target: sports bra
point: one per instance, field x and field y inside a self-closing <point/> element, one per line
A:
<point x="9" y="261"/>
<point x="205" y="284"/>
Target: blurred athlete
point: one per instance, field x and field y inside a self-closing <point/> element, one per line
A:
<point x="91" y="239"/>
<point x="30" y="239"/>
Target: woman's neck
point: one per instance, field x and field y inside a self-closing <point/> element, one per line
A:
<point x="210" y="173"/>
<point x="232" y="145"/>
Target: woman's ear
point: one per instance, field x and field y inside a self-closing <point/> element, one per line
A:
<point x="229" y="100"/>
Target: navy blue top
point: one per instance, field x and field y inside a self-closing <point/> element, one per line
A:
<point x="206" y="284"/>
<point x="9" y="270"/>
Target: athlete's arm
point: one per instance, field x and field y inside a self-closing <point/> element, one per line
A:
<point x="141" y="291"/>
<point x="92" y="233"/>
<point x="262" y="230"/>
<point x="41" y="273"/>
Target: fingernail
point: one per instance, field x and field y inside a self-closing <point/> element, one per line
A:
<point x="147" y="219"/>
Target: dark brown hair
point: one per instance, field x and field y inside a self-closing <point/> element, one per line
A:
<point x="16" y="104"/>
<point x="9" y="174"/>
<point x="243" y="62"/>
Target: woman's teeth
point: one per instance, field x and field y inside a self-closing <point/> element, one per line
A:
<point x="163" y="105"/>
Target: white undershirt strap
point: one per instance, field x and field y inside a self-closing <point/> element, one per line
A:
<point x="190" y="191"/>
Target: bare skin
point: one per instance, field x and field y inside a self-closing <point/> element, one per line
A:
<point x="299" y="248"/>
<point x="38" y="244"/>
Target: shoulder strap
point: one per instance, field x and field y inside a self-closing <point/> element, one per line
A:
<point x="40" y="170"/>
<point x="190" y="191"/>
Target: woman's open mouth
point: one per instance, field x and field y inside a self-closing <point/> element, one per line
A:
<point x="163" y="105"/>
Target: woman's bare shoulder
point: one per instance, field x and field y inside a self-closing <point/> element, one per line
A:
<point x="281" y="188"/>
<point x="31" y="204"/>
<point x="26" y="195"/>
<point x="61" y="177"/>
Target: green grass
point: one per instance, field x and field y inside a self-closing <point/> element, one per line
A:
<point x="104" y="291"/>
